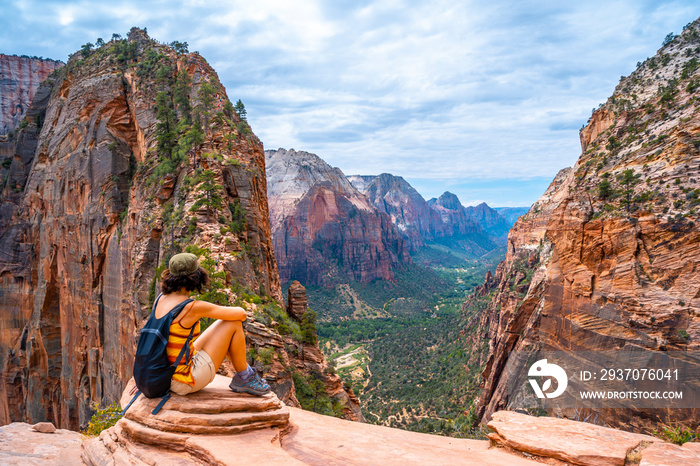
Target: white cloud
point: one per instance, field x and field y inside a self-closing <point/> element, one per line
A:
<point x="437" y="90"/>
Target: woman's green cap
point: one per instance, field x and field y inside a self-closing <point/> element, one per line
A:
<point x="183" y="264"/>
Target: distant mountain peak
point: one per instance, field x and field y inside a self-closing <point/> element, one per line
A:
<point x="449" y="200"/>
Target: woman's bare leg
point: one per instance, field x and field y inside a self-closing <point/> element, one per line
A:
<point x="224" y="338"/>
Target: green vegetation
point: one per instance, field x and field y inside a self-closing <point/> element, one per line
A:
<point x="416" y="288"/>
<point x="104" y="418"/>
<point x="211" y="191"/>
<point x="238" y="217"/>
<point x="689" y="68"/>
<point x="312" y="394"/>
<point x="418" y="369"/>
<point x="605" y="190"/>
<point x="628" y="179"/>
<point x="240" y="110"/>
<point x="678" y="435"/>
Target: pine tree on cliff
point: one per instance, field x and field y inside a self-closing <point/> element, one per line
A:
<point x="206" y="99"/>
<point x="166" y="132"/>
<point x="211" y="193"/>
<point x="181" y="97"/>
<point x="240" y="109"/>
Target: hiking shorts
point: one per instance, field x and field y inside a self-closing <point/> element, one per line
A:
<point x="203" y="372"/>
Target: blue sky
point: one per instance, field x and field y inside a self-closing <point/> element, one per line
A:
<point x="484" y="99"/>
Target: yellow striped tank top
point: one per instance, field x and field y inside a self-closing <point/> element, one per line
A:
<point x="177" y="338"/>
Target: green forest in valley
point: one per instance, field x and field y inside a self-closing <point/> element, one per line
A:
<point x="410" y="356"/>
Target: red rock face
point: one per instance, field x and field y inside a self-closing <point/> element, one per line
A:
<point x="19" y="79"/>
<point x="323" y="228"/>
<point x="610" y="268"/>
<point x="489" y="219"/>
<point x="390" y="194"/>
<point x="83" y="228"/>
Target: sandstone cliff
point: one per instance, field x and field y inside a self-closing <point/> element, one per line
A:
<point x="325" y="230"/>
<point x="19" y="79"/>
<point x="609" y="257"/>
<point x="489" y="219"/>
<point x="136" y="155"/>
<point x="390" y="194"/>
<point x="460" y="228"/>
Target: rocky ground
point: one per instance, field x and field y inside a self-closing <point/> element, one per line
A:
<point x="216" y="426"/>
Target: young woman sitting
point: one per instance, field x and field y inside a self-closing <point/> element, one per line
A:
<point x="223" y="338"/>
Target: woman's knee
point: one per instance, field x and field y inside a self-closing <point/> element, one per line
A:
<point x="231" y="324"/>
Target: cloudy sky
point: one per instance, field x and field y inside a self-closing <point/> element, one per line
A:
<point x="484" y="99"/>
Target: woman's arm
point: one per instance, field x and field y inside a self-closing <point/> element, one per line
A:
<point x="201" y="309"/>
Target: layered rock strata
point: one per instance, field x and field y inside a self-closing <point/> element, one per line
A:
<point x="324" y="230"/>
<point x="170" y="437"/>
<point x="608" y="258"/>
<point x="135" y="155"/>
<point x="390" y="194"/>
<point x="19" y="79"/>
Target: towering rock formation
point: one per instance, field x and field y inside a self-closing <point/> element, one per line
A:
<point x="323" y="228"/>
<point x="460" y="228"/>
<point x="19" y="79"/>
<point x="609" y="257"/>
<point x="489" y="219"/>
<point x="131" y="154"/>
<point x="390" y="194"/>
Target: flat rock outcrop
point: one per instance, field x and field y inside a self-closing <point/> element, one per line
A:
<point x="21" y="444"/>
<point x="325" y="230"/>
<point x="304" y="438"/>
<point x="19" y="79"/>
<point x="570" y="441"/>
<point x="188" y="427"/>
<point x="212" y="410"/>
<point x="608" y="259"/>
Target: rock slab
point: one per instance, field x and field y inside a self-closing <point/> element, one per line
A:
<point x="571" y="441"/>
<point x="20" y="444"/>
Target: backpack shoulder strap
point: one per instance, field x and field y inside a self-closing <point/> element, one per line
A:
<point x="131" y="402"/>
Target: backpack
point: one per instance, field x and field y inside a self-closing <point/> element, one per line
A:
<point x="152" y="369"/>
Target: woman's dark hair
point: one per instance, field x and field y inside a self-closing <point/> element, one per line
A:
<point x="191" y="282"/>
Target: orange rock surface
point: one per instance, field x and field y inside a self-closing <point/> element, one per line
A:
<point x="609" y="257"/>
<point x="85" y="220"/>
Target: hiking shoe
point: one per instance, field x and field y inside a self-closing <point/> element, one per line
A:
<point x="255" y="385"/>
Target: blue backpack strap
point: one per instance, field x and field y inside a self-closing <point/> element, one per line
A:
<point x="162" y="402"/>
<point x="131" y="402"/>
<point x="185" y="350"/>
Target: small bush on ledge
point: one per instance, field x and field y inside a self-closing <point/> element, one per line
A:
<point x="104" y="418"/>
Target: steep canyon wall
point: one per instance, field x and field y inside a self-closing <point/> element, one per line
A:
<point x="137" y="154"/>
<point x="609" y="257"/>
